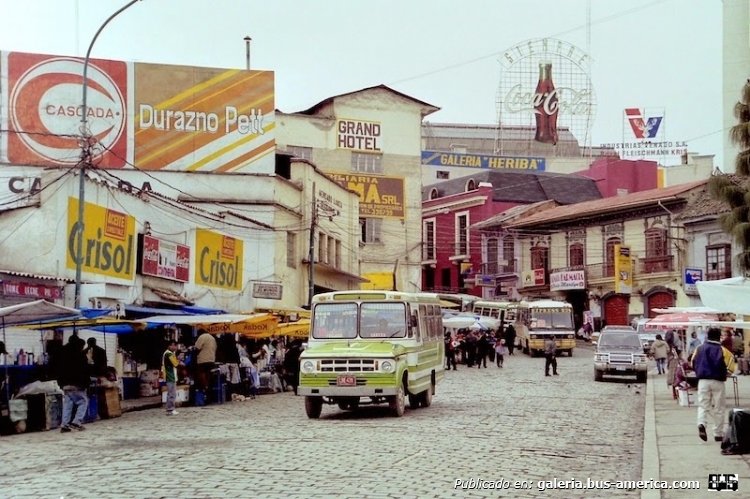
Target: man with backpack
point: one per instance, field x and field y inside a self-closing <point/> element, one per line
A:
<point x="712" y="363"/>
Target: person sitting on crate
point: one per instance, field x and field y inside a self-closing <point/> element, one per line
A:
<point x="74" y="380"/>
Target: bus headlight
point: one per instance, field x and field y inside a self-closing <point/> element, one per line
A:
<point x="387" y="366"/>
<point x="307" y="366"/>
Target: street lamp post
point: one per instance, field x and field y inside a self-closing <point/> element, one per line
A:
<point x="86" y="144"/>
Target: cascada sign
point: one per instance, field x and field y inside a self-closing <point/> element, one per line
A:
<point x="45" y="111"/>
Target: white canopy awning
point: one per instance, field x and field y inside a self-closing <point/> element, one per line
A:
<point x="35" y="311"/>
<point x="730" y="295"/>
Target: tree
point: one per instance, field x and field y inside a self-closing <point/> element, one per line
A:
<point x="734" y="189"/>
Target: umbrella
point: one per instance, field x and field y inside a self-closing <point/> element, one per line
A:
<point x="680" y="320"/>
<point x="299" y="329"/>
<point x="245" y="324"/>
<point x="462" y="321"/>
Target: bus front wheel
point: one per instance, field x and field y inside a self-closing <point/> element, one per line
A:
<point x="396" y="403"/>
<point x="313" y="407"/>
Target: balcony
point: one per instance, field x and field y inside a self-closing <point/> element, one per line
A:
<point x="655" y="264"/>
<point x="599" y="270"/>
<point x="496" y="268"/>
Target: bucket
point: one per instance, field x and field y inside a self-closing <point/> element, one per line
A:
<point x="684" y="397"/>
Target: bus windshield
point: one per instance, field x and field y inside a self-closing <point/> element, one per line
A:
<point x="551" y="319"/>
<point x="371" y="320"/>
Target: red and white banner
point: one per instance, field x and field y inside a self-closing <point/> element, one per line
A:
<point x="165" y="259"/>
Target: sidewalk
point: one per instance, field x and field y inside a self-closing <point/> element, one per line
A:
<point x="672" y="449"/>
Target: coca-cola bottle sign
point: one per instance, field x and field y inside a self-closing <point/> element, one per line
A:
<point x="545" y="86"/>
<point x="545" y="106"/>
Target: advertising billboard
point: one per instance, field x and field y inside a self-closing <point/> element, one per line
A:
<point x="218" y="261"/>
<point x="165" y="259"/>
<point x="151" y="116"/>
<point x="566" y="280"/>
<point x="108" y="240"/>
<point x="623" y="269"/>
<point x="438" y="158"/>
<point x="43" y="101"/>
<point x="545" y="85"/>
<point x="379" y="196"/>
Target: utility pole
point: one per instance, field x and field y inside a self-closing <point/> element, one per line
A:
<point x="87" y="141"/>
<point x="311" y="256"/>
<point x="247" y="52"/>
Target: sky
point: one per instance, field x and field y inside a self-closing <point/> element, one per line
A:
<point x="646" y="54"/>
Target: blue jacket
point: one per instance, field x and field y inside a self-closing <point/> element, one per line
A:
<point x="712" y="361"/>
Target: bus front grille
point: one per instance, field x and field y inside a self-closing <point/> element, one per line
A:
<point x="347" y="365"/>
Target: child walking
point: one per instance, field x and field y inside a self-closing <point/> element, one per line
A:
<point x="500" y="352"/>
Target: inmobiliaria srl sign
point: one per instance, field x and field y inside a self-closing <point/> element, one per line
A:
<point x="151" y="116"/>
<point x="165" y="259"/>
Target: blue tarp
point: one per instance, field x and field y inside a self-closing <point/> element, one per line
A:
<point x="192" y="309"/>
<point x="148" y="311"/>
<point x="93" y="313"/>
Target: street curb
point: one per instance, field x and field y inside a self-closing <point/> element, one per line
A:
<point x="650" y="456"/>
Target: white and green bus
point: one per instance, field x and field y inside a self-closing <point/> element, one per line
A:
<point x="371" y="347"/>
<point x="492" y="309"/>
<point x="535" y="321"/>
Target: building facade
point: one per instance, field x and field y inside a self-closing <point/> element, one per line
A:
<point x="454" y="257"/>
<point x="617" y="258"/>
<point x="369" y="141"/>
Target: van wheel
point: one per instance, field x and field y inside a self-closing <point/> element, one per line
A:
<point x="570" y="352"/>
<point x="313" y="406"/>
<point x="396" y="403"/>
<point x="642" y="378"/>
<point x="598" y="376"/>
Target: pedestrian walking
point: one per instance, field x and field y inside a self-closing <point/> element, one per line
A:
<point x="451" y="346"/>
<point x="501" y="350"/>
<point x="712" y="363"/>
<point x="169" y="365"/>
<point x="483" y="350"/>
<point x="659" y="350"/>
<point x="510" y="338"/>
<point x="550" y="355"/>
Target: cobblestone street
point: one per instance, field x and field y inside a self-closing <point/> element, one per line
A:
<point x="489" y="424"/>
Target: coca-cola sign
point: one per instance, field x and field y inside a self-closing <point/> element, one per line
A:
<point x="568" y="101"/>
<point x="165" y="259"/>
<point x="545" y="85"/>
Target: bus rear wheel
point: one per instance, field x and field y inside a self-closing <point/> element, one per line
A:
<point x="426" y="396"/>
<point x="397" y="403"/>
<point x="313" y="407"/>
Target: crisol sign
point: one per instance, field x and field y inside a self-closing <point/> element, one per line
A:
<point x="108" y="240"/>
<point x="547" y="76"/>
<point x="45" y="109"/>
<point x="218" y="260"/>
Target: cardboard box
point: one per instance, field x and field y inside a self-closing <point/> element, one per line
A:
<point x="109" y="403"/>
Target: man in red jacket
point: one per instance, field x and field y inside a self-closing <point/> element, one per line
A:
<point x="712" y="363"/>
